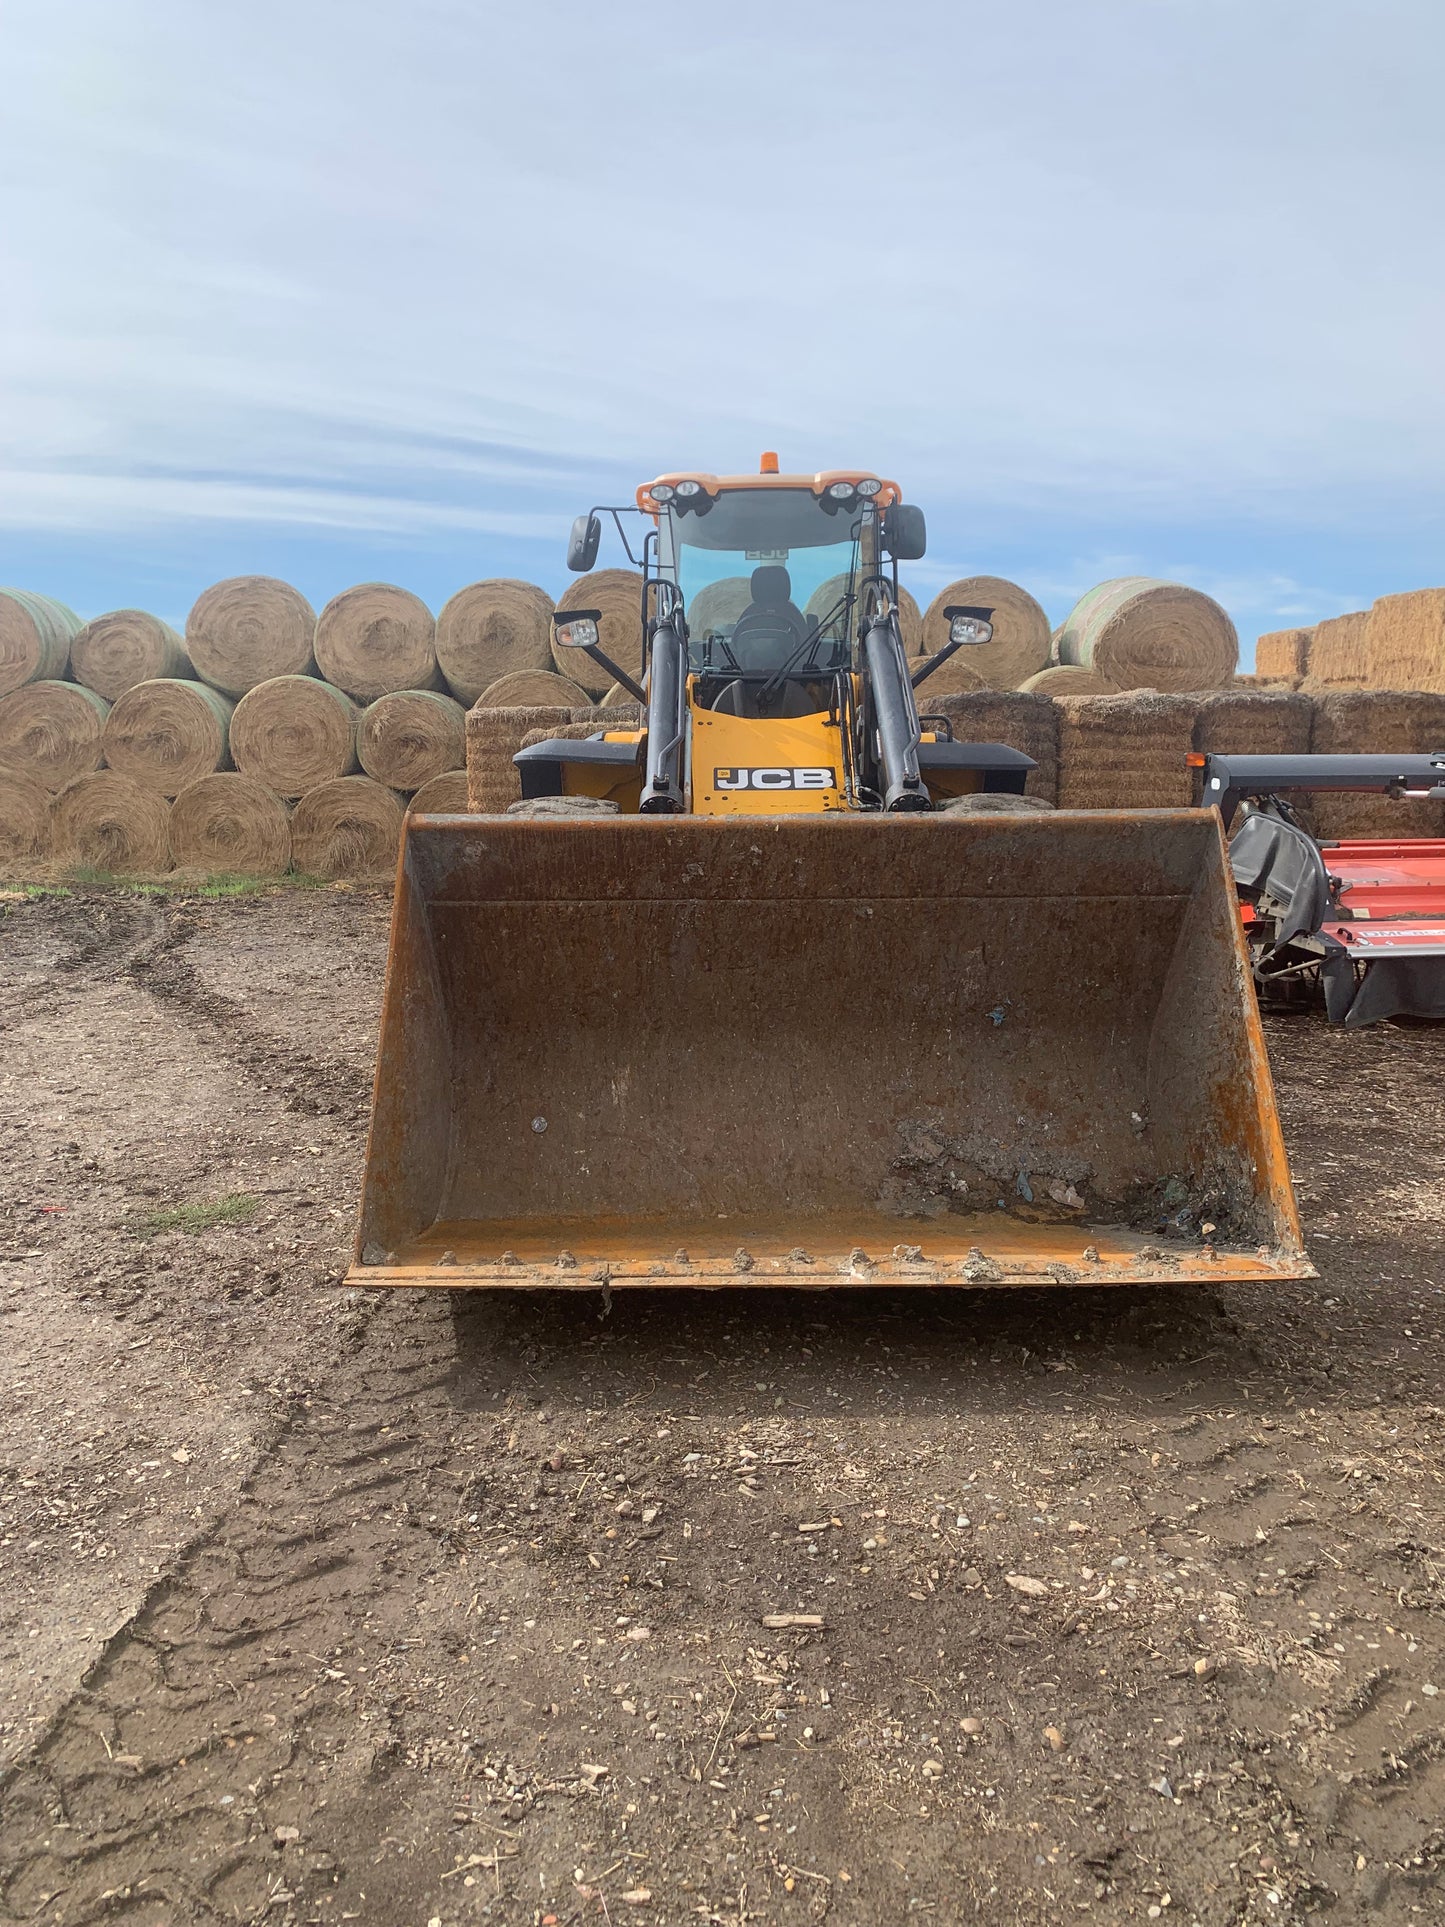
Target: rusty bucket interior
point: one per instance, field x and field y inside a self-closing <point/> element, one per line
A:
<point x="820" y="1051"/>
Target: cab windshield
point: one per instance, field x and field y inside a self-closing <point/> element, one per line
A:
<point x="765" y="575"/>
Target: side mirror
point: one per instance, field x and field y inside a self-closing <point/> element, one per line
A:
<point x="968" y="626"/>
<point x="583" y="543"/>
<point x="577" y="628"/>
<point x="905" y="533"/>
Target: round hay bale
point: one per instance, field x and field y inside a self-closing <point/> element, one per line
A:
<point x="248" y="629"/>
<point x="1020" y="644"/>
<point x="618" y="594"/>
<point x="168" y="733"/>
<point x="227" y="824"/>
<point x="1067" y="679"/>
<point x="116" y="651"/>
<point x="910" y="620"/>
<point x="444" y="795"/>
<point x="24" y="820"/>
<point x="532" y="689"/>
<point x="717" y="606"/>
<point x="376" y="638"/>
<point x="35" y="636"/>
<point x="51" y="731"/>
<point x="294" y="732"/>
<point x="345" y="828"/>
<point x="407" y="738"/>
<point x="489" y="629"/>
<point x="106" y="822"/>
<point x="617" y="695"/>
<point x="1141" y="634"/>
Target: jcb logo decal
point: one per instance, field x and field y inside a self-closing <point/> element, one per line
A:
<point x="775" y="777"/>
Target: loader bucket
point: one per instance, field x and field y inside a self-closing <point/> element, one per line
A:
<point x="821" y="1050"/>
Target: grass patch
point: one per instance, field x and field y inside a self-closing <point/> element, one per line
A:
<point x="195" y="1218"/>
<point x="88" y="879"/>
<point x="30" y="892"/>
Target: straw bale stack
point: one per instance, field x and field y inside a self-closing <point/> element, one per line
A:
<point x="169" y="733"/>
<point x="493" y="738"/>
<point x="533" y="689"/>
<point x="348" y="827"/>
<point x="1253" y="722"/>
<point x="1337" y="656"/>
<point x="249" y="629"/>
<point x="626" y="714"/>
<point x="405" y="739"/>
<point x="376" y="638"/>
<point x="24" y="821"/>
<point x="1068" y="679"/>
<point x="618" y="594"/>
<point x="444" y="795"/>
<point x="1141" y="634"/>
<point x="51" y="732"/>
<point x="1126" y="752"/>
<point x="116" y="651"/>
<point x="36" y="632"/>
<point x="1283" y="655"/>
<point x="1405" y="641"/>
<point x="1020" y="645"/>
<point x="228" y="824"/>
<point x="489" y="629"/>
<point x="1348" y="721"/>
<point x="293" y="733"/>
<point x="104" y="821"/>
<point x="1023" y="721"/>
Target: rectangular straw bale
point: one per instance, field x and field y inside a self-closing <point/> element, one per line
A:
<point x="1254" y="722"/>
<point x="1348" y="722"/>
<point x="1283" y="655"/>
<point x="493" y="738"/>
<point x="1405" y="641"/>
<point x="610" y="716"/>
<point x="1126" y="752"/>
<point x="1337" y="657"/>
<point x="1011" y="716"/>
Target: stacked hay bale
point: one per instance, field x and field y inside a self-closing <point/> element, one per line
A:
<point x="114" y="652"/>
<point x="228" y="824"/>
<point x="488" y="630"/>
<point x="376" y="638"/>
<point x="1337" y="657"/>
<point x="293" y="732"/>
<point x="106" y="822"/>
<point x="1349" y="721"/>
<point x="1138" y="633"/>
<point x="24" y="823"/>
<point x="168" y="733"/>
<point x="1405" y="641"/>
<point x="1283" y="656"/>
<point x="1126" y="752"/>
<point x="495" y="735"/>
<point x="1253" y="722"/>
<point x="411" y="738"/>
<point x="1068" y="679"/>
<point x="348" y="827"/>
<point x="1016" y="717"/>
<point x="51" y="732"/>
<point x="35" y="637"/>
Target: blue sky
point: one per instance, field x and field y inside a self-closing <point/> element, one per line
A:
<point x="351" y="291"/>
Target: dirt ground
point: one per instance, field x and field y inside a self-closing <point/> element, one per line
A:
<point x="321" y="1607"/>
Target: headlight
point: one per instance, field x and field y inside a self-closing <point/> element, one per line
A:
<point x="970" y="629"/>
<point x="839" y="491"/>
<point x="870" y="485"/>
<point x="662" y="492"/>
<point x="578" y="633"/>
<point x="688" y="489"/>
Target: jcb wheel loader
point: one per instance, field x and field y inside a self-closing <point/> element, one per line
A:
<point x="786" y="987"/>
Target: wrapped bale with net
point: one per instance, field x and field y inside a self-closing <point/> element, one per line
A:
<point x="1283" y="656"/>
<point x="115" y="652"/>
<point x="1068" y="679"/>
<point x="105" y="821"/>
<point x="1139" y="633"/>
<point x="1011" y="716"/>
<point x="493" y="738"/>
<point x="1128" y="752"/>
<point x="1355" y="721"/>
<point x="24" y="822"/>
<point x="405" y="739"/>
<point x="1337" y="655"/>
<point x="350" y="827"/>
<point x="533" y="689"/>
<point x="36" y="632"/>
<point x="376" y="638"/>
<point x="1020" y="644"/>
<point x="444" y="795"/>
<point x="1405" y="641"/>
<point x="294" y="732"/>
<point x="169" y="733"/>
<point x="228" y="824"/>
<point x="488" y="630"/>
<point x="618" y="594"/>
<point x="248" y="629"/>
<point x="51" y="732"/>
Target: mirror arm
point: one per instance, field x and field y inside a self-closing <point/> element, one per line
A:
<point x="934" y="662"/>
<point x="602" y="661"/>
